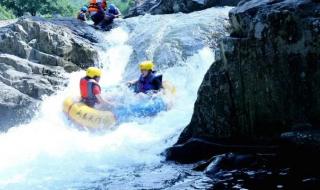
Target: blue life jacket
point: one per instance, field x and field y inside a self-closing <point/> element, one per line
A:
<point x="113" y="11"/>
<point x="150" y="82"/>
<point x="111" y="14"/>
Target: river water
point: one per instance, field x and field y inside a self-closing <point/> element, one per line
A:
<point x="50" y="153"/>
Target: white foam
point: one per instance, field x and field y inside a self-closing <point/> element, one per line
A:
<point x="48" y="153"/>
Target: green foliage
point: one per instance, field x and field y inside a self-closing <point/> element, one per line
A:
<point x="51" y="7"/>
<point x="123" y="5"/>
<point x="5" y="13"/>
<point x="62" y="7"/>
<point x="43" y="7"/>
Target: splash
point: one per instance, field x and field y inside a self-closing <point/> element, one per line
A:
<point x="50" y="153"/>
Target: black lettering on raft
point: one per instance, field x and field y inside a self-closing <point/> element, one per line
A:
<point x="79" y="113"/>
<point x="91" y="118"/>
<point x="97" y="120"/>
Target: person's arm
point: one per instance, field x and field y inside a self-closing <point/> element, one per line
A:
<point x="119" y="13"/>
<point x="97" y="93"/>
<point x="133" y="82"/>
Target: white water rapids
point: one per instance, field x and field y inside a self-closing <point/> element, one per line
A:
<point x="49" y="153"/>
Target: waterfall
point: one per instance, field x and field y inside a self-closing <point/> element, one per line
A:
<point x="50" y="153"/>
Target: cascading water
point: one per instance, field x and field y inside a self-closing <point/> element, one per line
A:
<point x="48" y="153"/>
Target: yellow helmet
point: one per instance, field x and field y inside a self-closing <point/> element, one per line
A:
<point x="93" y="72"/>
<point x="146" y="65"/>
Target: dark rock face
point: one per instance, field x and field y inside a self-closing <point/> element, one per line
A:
<point x="35" y="55"/>
<point x="198" y="149"/>
<point x="267" y="75"/>
<point x="174" y="6"/>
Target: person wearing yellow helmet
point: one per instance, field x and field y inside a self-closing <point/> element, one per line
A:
<point x="90" y="89"/>
<point x="148" y="81"/>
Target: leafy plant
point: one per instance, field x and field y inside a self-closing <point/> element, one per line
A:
<point x="51" y="7"/>
<point x="5" y="13"/>
<point x="34" y="7"/>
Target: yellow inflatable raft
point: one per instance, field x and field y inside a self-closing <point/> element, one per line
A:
<point x="94" y="119"/>
<point x="86" y="116"/>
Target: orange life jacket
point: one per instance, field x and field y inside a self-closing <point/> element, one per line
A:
<point x="86" y="91"/>
<point x="93" y="5"/>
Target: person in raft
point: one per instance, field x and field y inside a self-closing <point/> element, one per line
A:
<point x="90" y="89"/>
<point x="97" y="10"/>
<point x="82" y="15"/>
<point x="148" y="80"/>
<point x="112" y="13"/>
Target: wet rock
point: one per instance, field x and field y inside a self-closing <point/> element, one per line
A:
<point x="216" y="165"/>
<point x="47" y="42"/>
<point x="23" y="84"/>
<point x="174" y="6"/>
<point x="13" y="103"/>
<point x="198" y="149"/>
<point x="35" y="55"/>
<point x="230" y="161"/>
<point x="266" y="78"/>
<point x="303" y="140"/>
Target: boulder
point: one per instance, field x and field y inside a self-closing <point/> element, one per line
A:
<point x="174" y="6"/>
<point x="35" y="55"/>
<point x="15" y="106"/>
<point x="199" y="149"/>
<point x="266" y="76"/>
<point x="264" y="83"/>
<point x="52" y="42"/>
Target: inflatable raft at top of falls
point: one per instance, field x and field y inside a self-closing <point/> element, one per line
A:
<point x="96" y="119"/>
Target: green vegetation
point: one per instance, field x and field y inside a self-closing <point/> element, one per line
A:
<point x="42" y="7"/>
<point x="123" y="5"/>
<point x="5" y="13"/>
<point x="8" y="8"/>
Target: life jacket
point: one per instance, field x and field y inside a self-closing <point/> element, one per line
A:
<point x="150" y="82"/>
<point x="81" y="16"/>
<point x="86" y="91"/>
<point x="114" y="11"/>
<point x="94" y="5"/>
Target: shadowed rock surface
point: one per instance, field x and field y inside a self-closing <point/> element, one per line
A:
<point x="261" y="92"/>
<point x="266" y="77"/>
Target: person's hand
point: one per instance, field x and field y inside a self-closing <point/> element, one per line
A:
<point x="130" y="83"/>
<point x="111" y="104"/>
